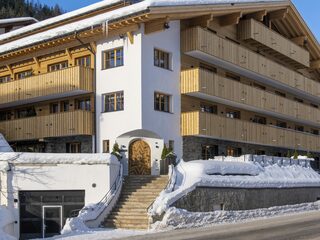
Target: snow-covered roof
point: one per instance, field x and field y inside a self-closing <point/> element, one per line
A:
<point x="57" y="158"/>
<point x="259" y="172"/>
<point x="103" y="18"/>
<point x="4" y="145"/>
<point x="63" y="17"/>
<point x="17" y="20"/>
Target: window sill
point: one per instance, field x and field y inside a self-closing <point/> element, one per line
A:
<point x="168" y="69"/>
<point x="163" y="111"/>
<point x="103" y="69"/>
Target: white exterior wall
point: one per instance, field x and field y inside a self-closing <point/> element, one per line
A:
<point x="155" y="79"/>
<point x="140" y="79"/>
<point x="60" y="177"/>
<point x="126" y="78"/>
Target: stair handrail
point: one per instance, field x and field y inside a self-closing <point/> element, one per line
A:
<point x="170" y="184"/>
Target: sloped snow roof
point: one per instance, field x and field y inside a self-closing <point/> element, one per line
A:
<point x="4" y="145"/>
<point x="103" y="18"/>
<point x="60" y="18"/>
<point x="14" y="20"/>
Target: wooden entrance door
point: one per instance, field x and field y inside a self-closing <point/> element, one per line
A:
<point x="139" y="158"/>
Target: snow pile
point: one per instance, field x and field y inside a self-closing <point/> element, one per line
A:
<point x="58" y="158"/>
<point x="6" y="218"/>
<point x="175" y="218"/>
<point x="101" y="19"/>
<point x="264" y="172"/>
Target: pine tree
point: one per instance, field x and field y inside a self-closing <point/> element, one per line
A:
<point x="26" y="8"/>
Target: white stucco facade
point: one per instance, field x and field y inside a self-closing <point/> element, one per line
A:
<point x="139" y="79"/>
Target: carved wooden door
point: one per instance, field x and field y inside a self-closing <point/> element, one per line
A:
<point x="139" y="158"/>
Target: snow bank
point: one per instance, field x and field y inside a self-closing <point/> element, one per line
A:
<point x="4" y="145"/>
<point x="99" y="19"/>
<point x="58" y="158"/>
<point x="175" y="218"/>
<point x="263" y="172"/>
<point x="6" y="218"/>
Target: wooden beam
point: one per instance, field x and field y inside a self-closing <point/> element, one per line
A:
<point x="131" y="37"/>
<point x="230" y="19"/>
<point x="68" y="52"/>
<point x="93" y="46"/>
<point x="259" y="16"/>
<point x="301" y="41"/>
<point x="280" y="14"/>
<point x="10" y="69"/>
<point x="315" y="64"/>
<point x="155" y="25"/>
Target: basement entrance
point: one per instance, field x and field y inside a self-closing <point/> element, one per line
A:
<point x="139" y="158"/>
<point x="44" y="213"/>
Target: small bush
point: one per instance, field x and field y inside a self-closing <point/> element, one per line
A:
<point x="116" y="150"/>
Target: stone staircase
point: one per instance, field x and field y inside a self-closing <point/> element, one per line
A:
<point x="138" y="192"/>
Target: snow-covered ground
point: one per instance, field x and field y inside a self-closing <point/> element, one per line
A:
<point x="101" y="234"/>
<point x="175" y="218"/>
<point x="6" y="218"/>
<point x="252" y="172"/>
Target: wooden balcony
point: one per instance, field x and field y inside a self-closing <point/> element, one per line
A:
<point x="273" y="43"/>
<point x="214" y="126"/>
<point x="202" y="83"/>
<point x="203" y="44"/>
<point x="53" y="125"/>
<point x="67" y="82"/>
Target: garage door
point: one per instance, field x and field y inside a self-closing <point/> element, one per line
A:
<point x="43" y="213"/>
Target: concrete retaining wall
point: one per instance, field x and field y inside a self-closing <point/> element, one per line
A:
<point x="209" y="199"/>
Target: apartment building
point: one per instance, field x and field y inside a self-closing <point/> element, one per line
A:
<point x="205" y="78"/>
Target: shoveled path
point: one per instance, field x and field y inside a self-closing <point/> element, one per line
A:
<point x="289" y="227"/>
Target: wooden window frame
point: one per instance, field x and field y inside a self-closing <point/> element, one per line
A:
<point x="115" y="58"/>
<point x="163" y="62"/>
<point x="86" y="99"/>
<point x="232" y="111"/>
<point x="118" y="102"/>
<point x="5" y="79"/>
<point x="58" y="64"/>
<point x="204" y="107"/>
<point x="52" y="109"/>
<point x="69" y="146"/>
<point x="62" y="106"/>
<point x="206" y="154"/>
<point x="78" y="59"/>
<point x="158" y="105"/>
<point x="106" y="146"/>
<point x="30" y="73"/>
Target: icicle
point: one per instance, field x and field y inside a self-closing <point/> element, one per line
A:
<point x="105" y="28"/>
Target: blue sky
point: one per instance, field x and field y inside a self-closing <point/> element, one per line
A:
<point x="309" y="9"/>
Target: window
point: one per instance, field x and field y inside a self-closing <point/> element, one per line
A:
<point x="106" y="146"/>
<point x="114" y="102"/>
<point x="171" y="145"/>
<point x="5" y="79"/>
<point x="299" y="128"/>
<point x="74" y="147"/>
<point x="162" y="102"/>
<point x="234" y="152"/>
<point x="208" y="68"/>
<point x="161" y="59"/>
<point x="233" y="114"/>
<point x="281" y="94"/>
<point x="57" y="66"/>
<point x="22" y="75"/>
<point x="209" y="151"/>
<point x="232" y="76"/>
<point x="64" y="106"/>
<point x="208" y="108"/>
<point x="25" y="112"/>
<point x="259" y="86"/>
<point x="6" y="115"/>
<point x="281" y="124"/>
<point x="315" y="131"/>
<point x="83" y="61"/>
<point x="260" y="152"/>
<point x="113" y="58"/>
<point x="83" y="104"/>
<point x="260" y="120"/>
<point x="54" y="107"/>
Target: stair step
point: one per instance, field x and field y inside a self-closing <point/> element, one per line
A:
<point x="128" y="221"/>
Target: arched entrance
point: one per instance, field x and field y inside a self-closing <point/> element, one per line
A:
<point x="139" y="158"/>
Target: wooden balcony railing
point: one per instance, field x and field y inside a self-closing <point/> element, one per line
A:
<point x="53" y="125"/>
<point x="200" y="40"/>
<point x="53" y="83"/>
<point x="211" y="125"/>
<point x="274" y="43"/>
<point x="199" y="80"/>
